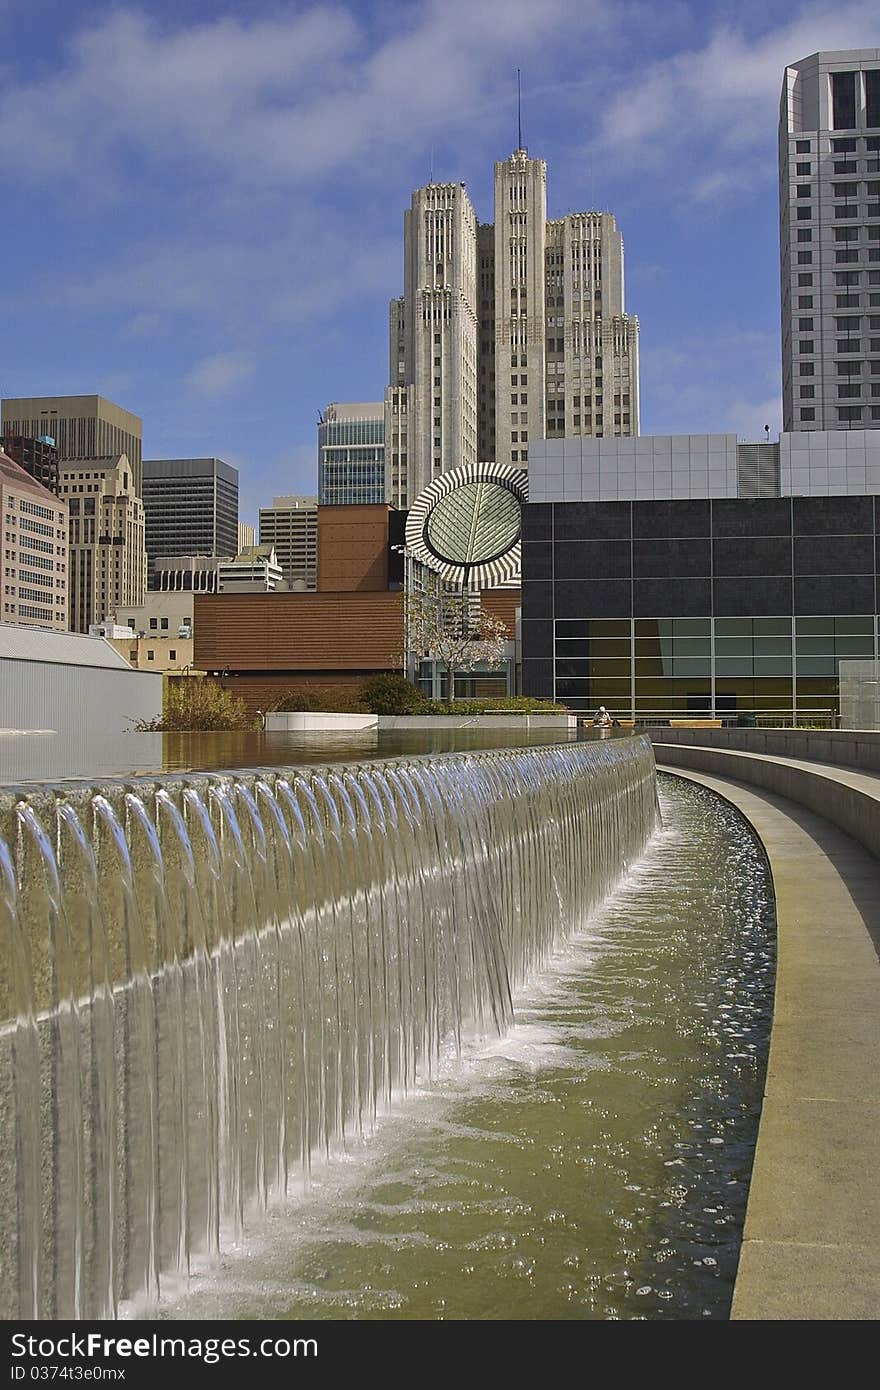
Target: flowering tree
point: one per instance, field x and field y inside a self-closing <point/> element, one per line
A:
<point x="441" y="627"/>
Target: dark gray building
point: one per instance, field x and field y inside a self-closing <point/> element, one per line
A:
<point x="191" y="507"/>
<point x="655" y="582"/>
<point x="682" y="608"/>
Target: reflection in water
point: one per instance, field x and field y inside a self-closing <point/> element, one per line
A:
<point x="594" y="1161"/>
<point x="206" y="752"/>
<point x="49" y="757"/>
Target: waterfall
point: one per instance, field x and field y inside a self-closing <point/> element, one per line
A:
<point x="211" y="980"/>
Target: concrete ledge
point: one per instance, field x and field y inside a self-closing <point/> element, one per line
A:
<point x="858" y="748"/>
<point x="278" y="722"/>
<point x="499" y="720"/>
<point x="811" y="1245"/>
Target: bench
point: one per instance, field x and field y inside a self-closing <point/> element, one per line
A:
<point x="695" y="724"/>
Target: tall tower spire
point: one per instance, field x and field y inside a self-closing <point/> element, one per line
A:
<point x="519" y="143"/>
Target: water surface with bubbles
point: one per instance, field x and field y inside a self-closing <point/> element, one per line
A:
<point x="592" y="1163"/>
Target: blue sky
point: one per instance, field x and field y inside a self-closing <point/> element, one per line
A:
<point x="202" y="202"/>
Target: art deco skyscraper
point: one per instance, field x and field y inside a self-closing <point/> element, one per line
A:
<point x="433" y="358"/>
<point x="829" y="184"/>
<point x="505" y="332"/>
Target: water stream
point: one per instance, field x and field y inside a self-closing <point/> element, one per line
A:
<point x="214" y="981"/>
<point x="592" y="1162"/>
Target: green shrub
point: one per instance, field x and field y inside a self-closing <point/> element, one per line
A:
<point x="198" y="704"/>
<point x="319" y="699"/>
<point x="391" y="693"/>
<point x="514" y="704"/>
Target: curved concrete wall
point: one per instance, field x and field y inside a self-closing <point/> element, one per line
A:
<point x="834" y="793"/>
<point x="843" y="747"/>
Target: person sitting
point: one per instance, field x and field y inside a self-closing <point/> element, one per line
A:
<point x="602" y="720"/>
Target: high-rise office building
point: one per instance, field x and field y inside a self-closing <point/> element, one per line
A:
<point x="35" y="555"/>
<point x="351" y="454"/>
<point x="829" y="176"/>
<point x="191" y="507"/>
<point x="38" y="457"/>
<point x="291" y="526"/>
<point x="107" y="559"/>
<point x="81" y="427"/>
<point x="247" y="535"/>
<point x="505" y="331"/>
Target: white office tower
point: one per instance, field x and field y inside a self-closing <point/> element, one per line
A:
<point x="506" y="332"/>
<point x="434" y="339"/>
<point x="829" y="185"/>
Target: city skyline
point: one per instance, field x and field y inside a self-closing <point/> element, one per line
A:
<point x="268" y="280"/>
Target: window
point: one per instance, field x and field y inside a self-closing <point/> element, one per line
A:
<point x="847" y="301"/>
<point x="872" y="99"/>
<point x="850" y="389"/>
<point x="841" y="257"/>
<point x="151" y="655"/>
<point x="805" y="190"/>
<point x="802" y="147"/>
<point x="803" y="168"/>
<point x="805" y="234"/>
<point x="807" y="393"/>
<point x="806" y="345"/>
<point x="173" y="654"/>
<point x="807" y="368"/>
<point x="805" y="258"/>
<point x="808" y="413"/>
<point x="844" y="190"/>
<point x="848" y="323"/>
<point x="849" y="369"/>
<point x="805" y="279"/>
<point x="805" y="325"/>
<point x="805" y="301"/>
<point x="843" y="210"/>
<point x="804" y="213"/>
<point x="846" y="277"/>
<point x="848" y="413"/>
<point x="846" y="233"/>
<point x="843" y="104"/>
<point x="845" y="166"/>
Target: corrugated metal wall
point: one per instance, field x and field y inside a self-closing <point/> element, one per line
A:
<point x="46" y="695"/>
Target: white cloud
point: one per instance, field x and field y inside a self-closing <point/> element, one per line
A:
<point x="721" y="101"/>
<point x="300" y="95"/>
<point x="219" y="373"/>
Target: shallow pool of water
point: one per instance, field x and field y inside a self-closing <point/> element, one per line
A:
<point x="591" y="1164"/>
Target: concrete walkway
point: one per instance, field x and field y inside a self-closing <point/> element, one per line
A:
<point x="811" y="1247"/>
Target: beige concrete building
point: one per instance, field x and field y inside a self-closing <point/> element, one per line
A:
<point x="34" y="550"/>
<point x="290" y="525"/>
<point x="505" y="332"/>
<point x="247" y="534"/>
<point x="254" y="570"/>
<point x="433" y="341"/>
<point x="108" y="558"/>
<point x="83" y="427"/>
<point x="163" y="653"/>
<point x="156" y="635"/>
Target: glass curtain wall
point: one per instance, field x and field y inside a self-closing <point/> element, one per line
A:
<point x="776" y="668"/>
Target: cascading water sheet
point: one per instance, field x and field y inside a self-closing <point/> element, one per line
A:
<point x="209" y="981"/>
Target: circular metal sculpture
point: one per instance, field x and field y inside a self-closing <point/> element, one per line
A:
<point x="466" y="525"/>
